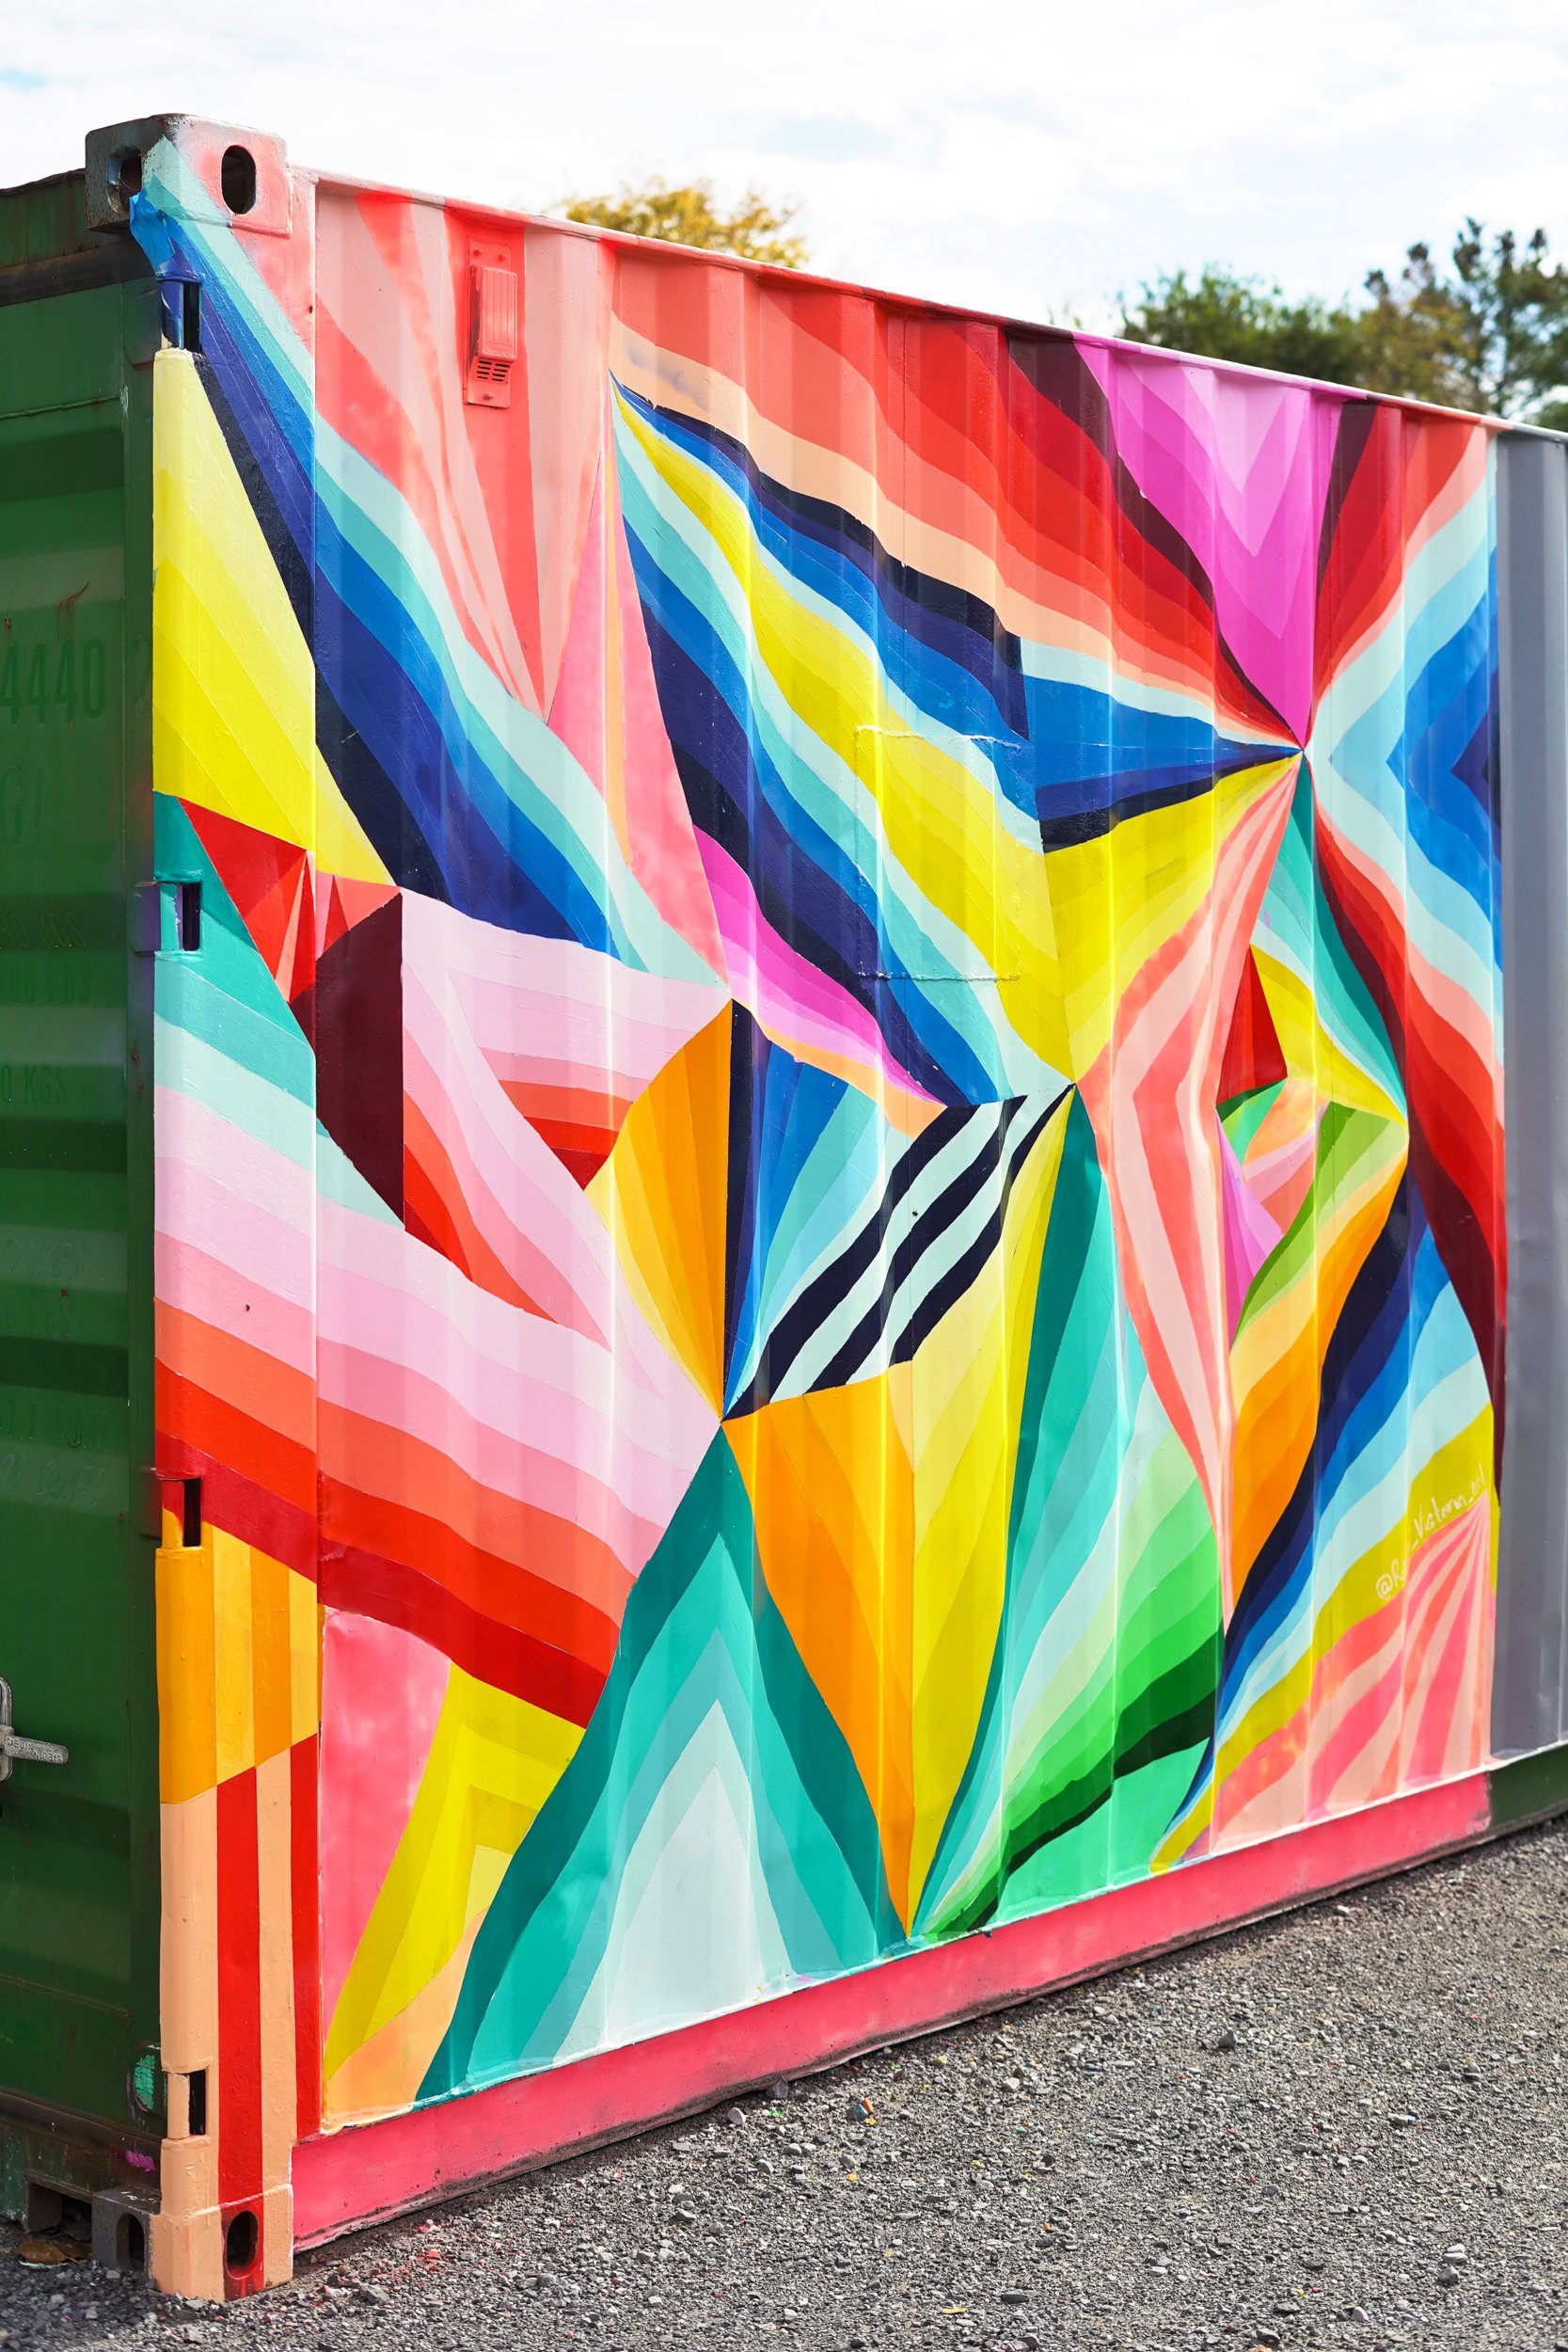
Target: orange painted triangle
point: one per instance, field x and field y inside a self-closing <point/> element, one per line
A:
<point x="662" y="1192"/>
<point x="1253" y="1056"/>
<point x="355" y="899"/>
<point x="833" y="1496"/>
<point x="270" y="917"/>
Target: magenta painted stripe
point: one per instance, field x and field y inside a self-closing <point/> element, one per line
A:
<point x="786" y="995"/>
<point x="1243" y="470"/>
<point x="360" y="2175"/>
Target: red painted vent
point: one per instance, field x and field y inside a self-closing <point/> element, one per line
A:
<point x="494" y="314"/>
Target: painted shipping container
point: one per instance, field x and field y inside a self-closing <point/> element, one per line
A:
<point x="753" y="1234"/>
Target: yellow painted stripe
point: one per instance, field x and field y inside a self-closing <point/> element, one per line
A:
<point x="966" y="1400"/>
<point x="492" y="1761"/>
<point x="238" y="1639"/>
<point x="233" y="682"/>
<point x="187" y="1644"/>
<point x="234" y="1627"/>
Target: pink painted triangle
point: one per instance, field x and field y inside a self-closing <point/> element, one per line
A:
<point x="566" y="331"/>
<point x="1249" y="1231"/>
<point x="577" y="713"/>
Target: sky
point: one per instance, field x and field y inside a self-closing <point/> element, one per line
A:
<point x="1035" y="159"/>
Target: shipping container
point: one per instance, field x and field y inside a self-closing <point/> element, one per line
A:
<point x="755" y="1240"/>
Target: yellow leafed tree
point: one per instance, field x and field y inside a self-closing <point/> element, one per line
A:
<point x="759" y="227"/>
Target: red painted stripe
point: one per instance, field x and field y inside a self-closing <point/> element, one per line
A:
<point x="527" y="1567"/>
<point x="239" y="2084"/>
<point x="219" y="1427"/>
<point x="242" y="1508"/>
<point x="499" y="1654"/>
<point x="305" y="1877"/>
<point x="432" y="1196"/>
<point x="358" y="2175"/>
<point x="1452" y="1147"/>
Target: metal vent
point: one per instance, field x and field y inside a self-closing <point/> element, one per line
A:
<point x="495" y="310"/>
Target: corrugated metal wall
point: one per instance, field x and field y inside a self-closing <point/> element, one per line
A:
<point x="832" y="1164"/>
<point x="897" y="952"/>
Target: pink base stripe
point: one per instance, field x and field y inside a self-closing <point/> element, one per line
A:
<point x="363" y="2174"/>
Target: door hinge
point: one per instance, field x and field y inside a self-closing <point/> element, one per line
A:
<point x="15" y="1750"/>
<point x="146" y="918"/>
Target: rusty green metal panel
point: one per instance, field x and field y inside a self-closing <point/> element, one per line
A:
<point x="78" y="1843"/>
<point x="47" y="223"/>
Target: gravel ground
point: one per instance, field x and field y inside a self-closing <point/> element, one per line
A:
<point x="1344" y="2128"/>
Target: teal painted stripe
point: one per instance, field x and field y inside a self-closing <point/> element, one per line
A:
<point x="279" y="1116"/>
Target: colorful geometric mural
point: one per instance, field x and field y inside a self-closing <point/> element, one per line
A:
<point x="832" y="1161"/>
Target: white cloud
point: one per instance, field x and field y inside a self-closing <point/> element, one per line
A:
<point x="1025" y="157"/>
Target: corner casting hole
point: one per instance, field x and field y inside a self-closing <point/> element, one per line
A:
<point x="187" y="915"/>
<point x="240" y="2242"/>
<point x="239" y="178"/>
<point x="190" y="1525"/>
<point x="130" y="2243"/>
<point x="127" y="170"/>
<point x="196" y="2120"/>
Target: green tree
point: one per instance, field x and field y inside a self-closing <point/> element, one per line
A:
<point x="1224" y="317"/>
<point x="758" y="227"/>
<point x="1489" y="332"/>
<point x="1406" y="335"/>
<point x="1510" y="313"/>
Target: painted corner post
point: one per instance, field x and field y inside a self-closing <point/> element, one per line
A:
<point x="234" y="808"/>
<point x="1529" y="1698"/>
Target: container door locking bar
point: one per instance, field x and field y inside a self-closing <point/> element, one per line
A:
<point x="13" y="1748"/>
